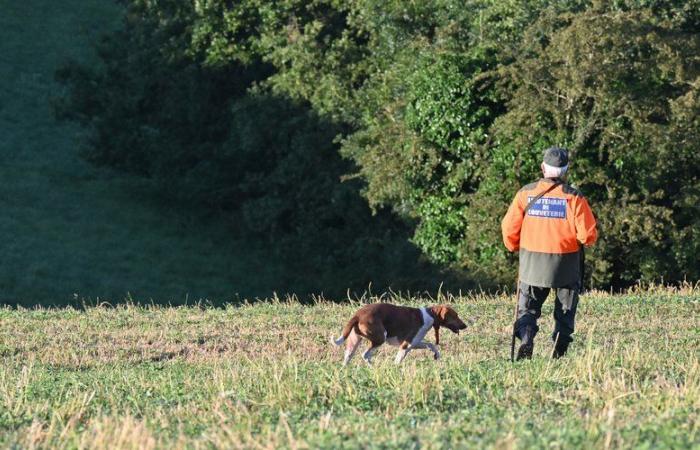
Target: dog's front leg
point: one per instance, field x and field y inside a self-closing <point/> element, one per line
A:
<point x="429" y="346"/>
<point x="404" y="349"/>
<point x="436" y="353"/>
<point x="401" y="355"/>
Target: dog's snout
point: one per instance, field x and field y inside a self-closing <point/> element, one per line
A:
<point x="463" y="326"/>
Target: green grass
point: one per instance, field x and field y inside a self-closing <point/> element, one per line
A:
<point x="265" y="376"/>
<point x="68" y="228"/>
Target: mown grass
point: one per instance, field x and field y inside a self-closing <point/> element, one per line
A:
<point x="265" y="376"/>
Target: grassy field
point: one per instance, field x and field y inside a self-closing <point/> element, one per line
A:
<point x="265" y="376"/>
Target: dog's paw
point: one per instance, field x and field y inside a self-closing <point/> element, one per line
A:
<point x="436" y="356"/>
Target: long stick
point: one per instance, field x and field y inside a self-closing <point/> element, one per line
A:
<point x="515" y="320"/>
<point x="582" y="263"/>
<point x="554" y="346"/>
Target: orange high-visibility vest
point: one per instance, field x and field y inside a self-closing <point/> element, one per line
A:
<point x="548" y="235"/>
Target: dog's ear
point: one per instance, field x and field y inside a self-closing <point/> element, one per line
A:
<point x="442" y="311"/>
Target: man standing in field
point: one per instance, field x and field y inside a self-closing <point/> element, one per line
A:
<point x="548" y="222"/>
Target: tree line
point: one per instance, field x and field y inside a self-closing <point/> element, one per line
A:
<point x="345" y="130"/>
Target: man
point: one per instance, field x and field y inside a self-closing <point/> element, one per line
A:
<point x="548" y="231"/>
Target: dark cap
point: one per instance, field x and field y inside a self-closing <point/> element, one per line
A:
<point x="556" y="157"/>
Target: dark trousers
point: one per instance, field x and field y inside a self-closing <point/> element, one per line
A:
<point x="530" y="300"/>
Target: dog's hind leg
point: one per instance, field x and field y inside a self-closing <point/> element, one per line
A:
<point x="367" y="355"/>
<point x="351" y="345"/>
<point x="375" y="333"/>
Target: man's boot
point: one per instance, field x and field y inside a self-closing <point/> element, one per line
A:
<point x="560" y="349"/>
<point x="527" y="343"/>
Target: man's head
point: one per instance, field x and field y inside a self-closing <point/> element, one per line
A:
<point x="555" y="162"/>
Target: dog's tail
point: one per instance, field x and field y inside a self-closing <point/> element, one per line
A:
<point x="346" y="331"/>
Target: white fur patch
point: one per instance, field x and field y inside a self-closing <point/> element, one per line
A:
<point x="427" y="323"/>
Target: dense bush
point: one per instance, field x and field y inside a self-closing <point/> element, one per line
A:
<point x="211" y="140"/>
<point x="443" y="106"/>
<point x="620" y="89"/>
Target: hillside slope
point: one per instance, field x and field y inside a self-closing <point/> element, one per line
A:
<point x="69" y="230"/>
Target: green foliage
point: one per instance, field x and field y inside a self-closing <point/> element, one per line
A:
<point x="619" y="89"/>
<point x="444" y="108"/>
<point x="173" y="104"/>
<point x="152" y="109"/>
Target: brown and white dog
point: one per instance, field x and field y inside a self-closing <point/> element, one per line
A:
<point x="399" y="326"/>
